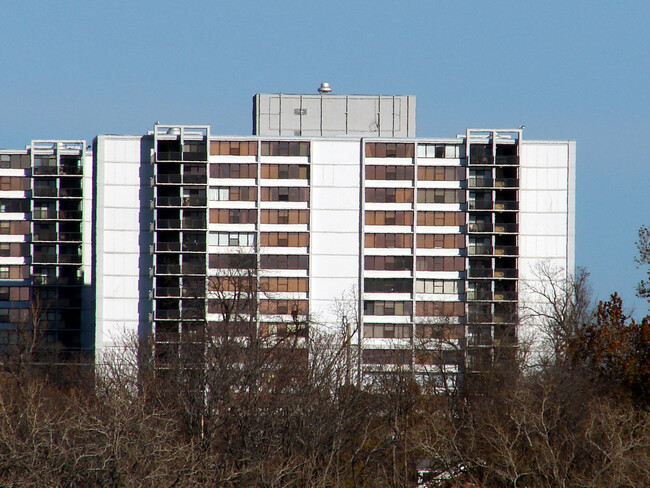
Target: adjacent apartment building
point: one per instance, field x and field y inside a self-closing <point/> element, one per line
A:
<point x="335" y="214"/>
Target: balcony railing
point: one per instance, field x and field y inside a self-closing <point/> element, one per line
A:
<point x="44" y="236"/>
<point x="70" y="236"/>
<point x="478" y="317"/>
<point x="479" y="227"/>
<point x="193" y="246"/>
<point x="195" y="202"/>
<point x="480" y="272"/>
<point x="44" y="170"/>
<point x="168" y="246"/>
<point x="71" y="170"/>
<point x="168" y="314"/>
<point x="480" y="204"/>
<point x="70" y="258"/>
<point x="166" y="291"/>
<point x="506" y="250"/>
<point x="44" y="192"/>
<point x="507" y="160"/>
<point x="168" y="201"/>
<point x="168" y="178"/>
<point x="38" y="258"/>
<point x="505" y="295"/>
<point x="505" y="228"/>
<point x="479" y="182"/>
<point x="481" y="160"/>
<point x="70" y="192"/>
<point x="505" y="273"/>
<point x="44" y="214"/>
<point x="190" y="223"/>
<point x="506" y="205"/>
<point x="166" y="269"/>
<point x="169" y="156"/>
<point x="195" y="179"/>
<point x="479" y="295"/>
<point x="70" y="214"/>
<point x="479" y="250"/>
<point x="168" y="223"/>
<point x="506" y="183"/>
<point x="194" y="269"/>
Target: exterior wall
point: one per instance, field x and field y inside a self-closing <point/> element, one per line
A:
<point x="334" y="227"/>
<point x="123" y="238"/>
<point x="547" y="221"/>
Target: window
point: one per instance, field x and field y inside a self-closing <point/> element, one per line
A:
<point x="232" y="239"/>
<point x="233" y="261"/>
<point x="4" y="272"/>
<point x="387" y="331"/>
<point x="388" y="263"/>
<point x="284" y="239"/>
<point x="389" y="241"/>
<point x="285" y="148"/>
<point x="448" y="151"/>
<point x="233" y="193"/>
<point x="440" y="263"/>
<point x="437" y="195"/>
<point x="453" y="287"/>
<point x="232" y="170"/>
<point x="440" y="309"/>
<point x="453" y="219"/>
<point x="372" y="307"/>
<point x="285" y="194"/>
<point x="284" y="307"/>
<point x="285" y="216"/>
<point x="389" y="172"/>
<point x="285" y="171"/>
<point x="389" y="195"/>
<point x="273" y="261"/>
<point x="441" y="173"/>
<point x="233" y="148"/>
<point x="388" y="285"/>
<point x="283" y="284"/>
<point x="233" y="216"/>
<point x="440" y="241"/>
<point x="389" y="150"/>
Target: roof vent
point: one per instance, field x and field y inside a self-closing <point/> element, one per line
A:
<point x="324" y="88"/>
<point x="174" y="131"/>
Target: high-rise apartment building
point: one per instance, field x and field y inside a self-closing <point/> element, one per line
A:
<point x="331" y="204"/>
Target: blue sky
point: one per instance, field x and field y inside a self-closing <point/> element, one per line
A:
<point x="575" y="70"/>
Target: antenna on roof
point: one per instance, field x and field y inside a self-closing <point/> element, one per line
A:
<point x="324" y="88"/>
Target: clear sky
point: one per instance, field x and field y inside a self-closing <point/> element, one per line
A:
<point x="576" y="70"/>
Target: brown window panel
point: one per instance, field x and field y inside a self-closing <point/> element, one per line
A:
<point x="284" y="307"/>
<point x="389" y="195"/>
<point x="439" y="331"/>
<point x="285" y="172"/>
<point x="388" y="263"/>
<point x="242" y="193"/>
<point x="387" y="285"/>
<point x="14" y="293"/>
<point x="380" y="172"/>
<point x="15" y="161"/>
<point x="389" y="150"/>
<point x="14" y="272"/>
<point x="441" y="218"/>
<point x="14" y="250"/>
<point x="14" y="183"/>
<point x="440" y="241"/>
<point x="285" y="216"/>
<point x="14" y="227"/>
<point x="233" y="148"/>
<point x="273" y="261"/>
<point x="232" y="306"/>
<point x="233" y="170"/>
<point x="438" y="357"/>
<point x="441" y="173"/>
<point x="440" y="263"/>
<point x="440" y="309"/>
<point x="285" y="239"/>
<point x="233" y="216"/>
<point x="283" y="329"/>
<point x="243" y="282"/>
<point x="439" y="195"/>
<point x="387" y="331"/>
<point x="284" y="284"/>
<point x="389" y="218"/>
<point x="382" y="307"/>
<point x="285" y="194"/>
<point x="285" y="148"/>
<point x="386" y="356"/>
<point x="389" y="241"/>
<point x="233" y="261"/>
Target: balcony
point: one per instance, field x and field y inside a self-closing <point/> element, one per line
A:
<point x="44" y="170"/>
<point x="44" y="236"/>
<point x="194" y="269"/>
<point x="505" y="295"/>
<point x="480" y="318"/>
<point x="70" y="214"/>
<point x="166" y="291"/>
<point x="168" y="269"/>
<point x="44" y="192"/>
<point x="506" y="250"/>
<point x="70" y="236"/>
<point x="480" y="272"/>
<point x="480" y="204"/>
<point x="479" y="295"/>
<point x="481" y="160"/>
<point x="169" y="156"/>
<point x="195" y="202"/>
<point x="168" y="314"/>
<point x="43" y="258"/>
<point x="195" y="179"/>
<point x="479" y="227"/>
<point x="165" y="178"/>
<point x="506" y="205"/>
<point x="479" y="250"/>
<point x="506" y="183"/>
<point x="44" y="214"/>
<point x="71" y="258"/>
<point x="71" y="171"/>
<point x="168" y="224"/>
<point x="194" y="246"/>
<point x="192" y="223"/>
<point x="70" y="193"/>
<point x="479" y="182"/>
<point x="505" y="228"/>
<point x="507" y="160"/>
<point x="168" y="246"/>
<point x="505" y="273"/>
<point x="168" y="201"/>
